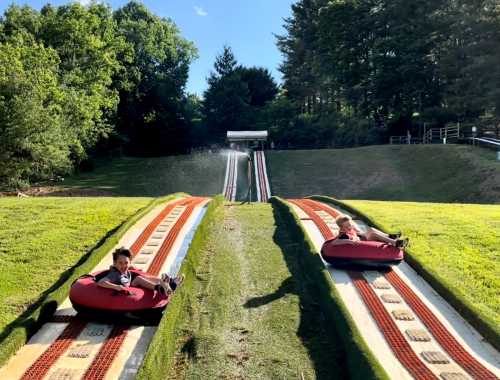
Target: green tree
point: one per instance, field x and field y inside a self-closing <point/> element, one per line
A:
<point x="151" y="86"/>
<point x="34" y="135"/>
<point x="88" y="46"/>
<point x="236" y="96"/>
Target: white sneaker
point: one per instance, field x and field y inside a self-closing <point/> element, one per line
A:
<point x="166" y="287"/>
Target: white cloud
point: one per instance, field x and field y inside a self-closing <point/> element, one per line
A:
<point x="84" y="2"/>
<point x="199" y="11"/>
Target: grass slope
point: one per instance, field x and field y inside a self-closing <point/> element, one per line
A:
<point x="252" y="311"/>
<point x="199" y="174"/>
<point x="428" y="173"/>
<point x="40" y="239"/>
<point x="457" y="244"/>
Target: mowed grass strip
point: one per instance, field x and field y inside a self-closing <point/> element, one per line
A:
<point x="252" y="310"/>
<point x="41" y="238"/>
<point x="199" y="174"/>
<point x="457" y="243"/>
<point x="389" y="172"/>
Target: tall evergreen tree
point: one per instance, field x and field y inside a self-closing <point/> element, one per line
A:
<point x="235" y="96"/>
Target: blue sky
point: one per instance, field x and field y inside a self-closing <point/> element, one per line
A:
<point x="245" y="25"/>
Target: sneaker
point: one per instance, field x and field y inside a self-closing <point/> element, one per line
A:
<point x="165" y="287"/>
<point x="402" y="243"/>
<point x="175" y="282"/>
<point x="160" y="289"/>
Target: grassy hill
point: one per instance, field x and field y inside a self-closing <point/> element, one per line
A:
<point x="199" y="174"/>
<point x="432" y="173"/>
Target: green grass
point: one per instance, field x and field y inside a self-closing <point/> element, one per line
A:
<point x="456" y="246"/>
<point x="427" y="173"/>
<point x="198" y="174"/>
<point x="251" y="311"/>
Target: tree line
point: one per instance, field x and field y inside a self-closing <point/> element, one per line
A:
<point x="77" y="81"/>
<point x="366" y="69"/>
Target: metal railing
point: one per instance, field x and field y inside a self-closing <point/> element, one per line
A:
<point x="431" y="136"/>
<point x="492" y="143"/>
<point x="442" y="135"/>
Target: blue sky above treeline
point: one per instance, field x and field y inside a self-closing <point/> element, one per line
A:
<point x="248" y="26"/>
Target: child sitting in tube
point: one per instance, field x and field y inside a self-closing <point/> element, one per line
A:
<point x="350" y="234"/>
<point x="120" y="278"/>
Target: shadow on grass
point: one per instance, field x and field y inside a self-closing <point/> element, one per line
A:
<point x="315" y="330"/>
<point x="31" y="323"/>
<point x="286" y="287"/>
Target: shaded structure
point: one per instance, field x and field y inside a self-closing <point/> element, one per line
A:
<point x="247" y="139"/>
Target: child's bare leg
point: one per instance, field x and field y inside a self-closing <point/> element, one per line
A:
<point x="378" y="231"/>
<point x="146" y="283"/>
<point x="151" y="278"/>
<point x="374" y="234"/>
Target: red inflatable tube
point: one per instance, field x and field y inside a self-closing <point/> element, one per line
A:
<point x="370" y="253"/>
<point x="86" y="296"/>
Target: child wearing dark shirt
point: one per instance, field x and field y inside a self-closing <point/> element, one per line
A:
<point x="120" y="278"/>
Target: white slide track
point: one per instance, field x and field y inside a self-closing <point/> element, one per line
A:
<point x="261" y="178"/>
<point x="230" y="181"/>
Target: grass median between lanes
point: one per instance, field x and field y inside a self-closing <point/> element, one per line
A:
<point x="455" y="248"/>
<point x="252" y="312"/>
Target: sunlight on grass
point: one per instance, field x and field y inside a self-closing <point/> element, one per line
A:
<point x="458" y="243"/>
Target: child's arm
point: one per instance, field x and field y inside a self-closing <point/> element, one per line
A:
<point x="109" y="285"/>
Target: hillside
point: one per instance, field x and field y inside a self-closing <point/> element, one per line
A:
<point x="199" y="174"/>
<point x="432" y="173"/>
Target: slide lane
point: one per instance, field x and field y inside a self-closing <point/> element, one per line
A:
<point x="261" y="178"/>
<point x="69" y="347"/>
<point x="230" y="182"/>
<point x="417" y="334"/>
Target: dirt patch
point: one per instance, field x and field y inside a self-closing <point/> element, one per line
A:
<point x="54" y="191"/>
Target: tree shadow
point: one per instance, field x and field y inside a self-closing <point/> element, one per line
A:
<point x="286" y="287"/>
